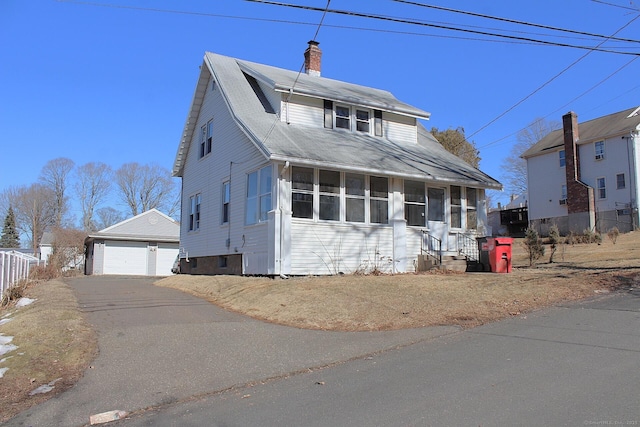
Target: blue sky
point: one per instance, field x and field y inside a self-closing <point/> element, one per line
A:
<point x="112" y="80"/>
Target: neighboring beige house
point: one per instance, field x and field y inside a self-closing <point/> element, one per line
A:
<point x="585" y="176"/>
<point x="145" y="245"/>
<point x="287" y="173"/>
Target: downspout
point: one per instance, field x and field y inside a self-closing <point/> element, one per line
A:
<point x="284" y="169"/>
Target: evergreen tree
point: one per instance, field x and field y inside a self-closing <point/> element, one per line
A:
<point x="10" y="237"/>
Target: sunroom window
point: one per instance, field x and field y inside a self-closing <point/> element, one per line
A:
<point x="329" y="195"/>
<point x="414" y="203"/>
<point x="379" y="200"/>
<point x="354" y="197"/>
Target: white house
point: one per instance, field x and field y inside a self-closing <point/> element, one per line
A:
<point x="145" y="245"/>
<point x="586" y="176"/>
<point x="287" y="173"/>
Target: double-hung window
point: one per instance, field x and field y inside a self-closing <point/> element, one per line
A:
<point x="599" y="150"/>
<point x="194" y="212"/>
<point x="379" y="199"/>
<point x="362" y="121"/>
<point x="258" y="195"/>
<point x="561" y="156"/>
<point x="456" y="206"/>
<point x="302" y="192"/>
<point x="601" y="188"/>
<point x="620" y="181"/>
<point x="329" y="195"/>
<point x="414" y="203"/>
<point x="343" y="117"/>
<point x="206" y="138"/>
<point x="563" y="194"/>
<point x="435" y="200"/>
<point x="226" y="198"/>
<point x="472" y="208"/>
<point x="354" y="197"/>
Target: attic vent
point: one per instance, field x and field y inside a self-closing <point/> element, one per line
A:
<point x="259" y="93"/>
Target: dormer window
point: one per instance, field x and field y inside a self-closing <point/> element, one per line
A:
<point x="343" y="117"/>
<point x="362" y="121"/>
<point x="352" y="118"/>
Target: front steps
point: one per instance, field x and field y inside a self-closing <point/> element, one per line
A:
<point x="449" y="263"/>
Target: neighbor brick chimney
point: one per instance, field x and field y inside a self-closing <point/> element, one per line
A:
<point x="580" y="197"/>
<point x="312" y="59"/>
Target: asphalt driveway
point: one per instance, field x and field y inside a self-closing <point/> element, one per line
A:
<point x="158" y="345"/>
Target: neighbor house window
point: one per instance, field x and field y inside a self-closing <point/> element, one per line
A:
<point x="602" y="188"/>
<point x="561" y="155"/>
<point x="379" y="200"/>
<point x="620" y="182"/>
<point x="435" y="200"/>
<point x="206" y="138"/>
<point x="563" y="192"/>
<point x="258" y="195"/>
<point x="354" y="197"/>
<point x="226" y="198"/>
<point x="194" y="212"/>
<point x="328" y="114"/>
<point x="343" y="117"/>
<point x="302" y="192"/>
<point x="599" y="147"/>
<point x="329" y="195"/>
<point x="414" y="203"/>
<point x="362" y="121"/>
<point x="472" y="208"/>
<point x="456" y="207"/>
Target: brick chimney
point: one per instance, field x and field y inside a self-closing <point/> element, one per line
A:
<point x="312" y="59"/>
<point x="580" y="197"/>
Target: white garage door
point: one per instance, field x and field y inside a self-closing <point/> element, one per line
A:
<point x="125" y="258"/>
<point x="167" y="253"/>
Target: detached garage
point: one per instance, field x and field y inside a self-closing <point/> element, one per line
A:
<point x="145" y="245"/>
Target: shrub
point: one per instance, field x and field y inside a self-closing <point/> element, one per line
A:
<point x="44" y="272"/>
<point x="13" y="293"/>
<point x="554" y="239"/>
<point x="533" y="245"/>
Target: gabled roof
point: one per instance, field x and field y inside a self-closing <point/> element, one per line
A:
<point x="616" y="124"/>
<point x="151" y="225"/>
<point x="279" y="141"/>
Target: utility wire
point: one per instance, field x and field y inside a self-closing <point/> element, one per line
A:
<point x="443" y="27"/>
<point x="549" y="81"/>
<point x="513" y="21"/>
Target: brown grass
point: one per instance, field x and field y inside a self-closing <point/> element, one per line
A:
<point x="366" y="303"/>
<point x="53" y="341"/>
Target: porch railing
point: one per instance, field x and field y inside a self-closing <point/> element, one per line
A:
<point x="468" y="246"/>
<point x="431" y="246"/>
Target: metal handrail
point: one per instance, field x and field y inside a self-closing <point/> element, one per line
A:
<point x="468" y="246"/>
<point x="433" y="246"/>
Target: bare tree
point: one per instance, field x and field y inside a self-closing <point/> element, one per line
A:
<point x="93" y="183"/>
<point x="35" y="210"/>
<point x="107" y="217"/>
<point x="515" y="167"/>
<point x="54" y="175"/>
<point x="144" y="187"/>
<point x="68" y="249"/>
<point x="454" y="141"/>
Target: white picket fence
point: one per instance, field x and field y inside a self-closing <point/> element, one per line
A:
<point x="14" y="267"/>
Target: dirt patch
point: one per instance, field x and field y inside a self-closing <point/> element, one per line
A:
<point x="54" y="347"/>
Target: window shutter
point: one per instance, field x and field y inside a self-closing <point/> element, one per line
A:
<point x="377" y="122"/>
<point x="328" y="114"/>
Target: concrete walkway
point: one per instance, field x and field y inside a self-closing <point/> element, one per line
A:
<point x="159" y="345"/>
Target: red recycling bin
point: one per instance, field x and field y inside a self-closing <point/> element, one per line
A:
<point x="500" y="254"/>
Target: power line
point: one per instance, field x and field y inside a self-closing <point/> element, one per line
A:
<point x="443" y="27"/>
<point x="548" y="81"/>
<point x="513" y="21"/>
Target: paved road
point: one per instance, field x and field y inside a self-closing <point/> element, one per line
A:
<point x="160" y="346"/>
<point x="573" y="365"/>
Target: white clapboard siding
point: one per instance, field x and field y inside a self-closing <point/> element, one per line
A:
<point x="332" y="248"/>
<point x="233" y="156"/>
